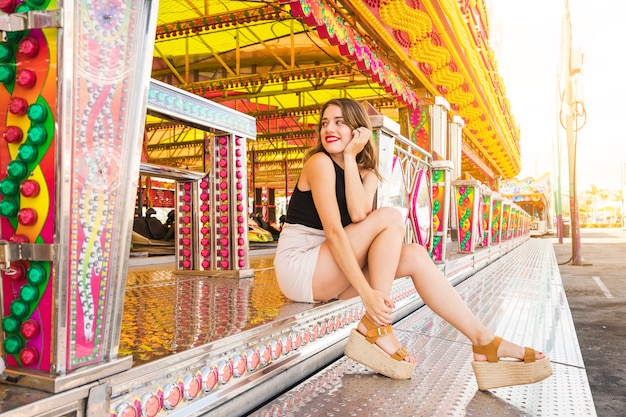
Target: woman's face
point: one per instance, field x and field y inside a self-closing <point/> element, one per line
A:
<point x="335" y="134"/>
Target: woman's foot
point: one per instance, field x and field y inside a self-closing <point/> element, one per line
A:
<point x="388" y="342"/>
<point x="377" y="348"/>
<point x="508" y="350"/>
<point x="491" y="372"/>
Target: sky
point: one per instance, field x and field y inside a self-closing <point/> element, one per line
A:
<point x="526" y="38"/>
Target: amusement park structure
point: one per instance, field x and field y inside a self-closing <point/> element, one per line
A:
<point x="535" y="197"/>
<point x="213" y="101"/>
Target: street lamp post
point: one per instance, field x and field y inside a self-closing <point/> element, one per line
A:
<point x="559" y="193"/>
<point x="572" y="66"/>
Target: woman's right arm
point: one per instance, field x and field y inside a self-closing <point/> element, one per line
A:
<point x="319" y="175"/>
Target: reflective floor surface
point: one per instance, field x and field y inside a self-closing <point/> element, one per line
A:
<point x="522" y="298"/>
<point x="166" y="313"/>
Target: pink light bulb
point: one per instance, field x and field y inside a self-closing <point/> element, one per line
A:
<point x="29" y="47"/>
<point x="18" y="106"/>
<point x="13" y="134"/>
<point x="26" y="78"/>
<point x="30" y="188"/>
<point x="27" y="216"/>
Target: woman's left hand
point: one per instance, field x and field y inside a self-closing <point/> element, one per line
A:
<point x="360" y="137"/>
<point x="378" y="306"/>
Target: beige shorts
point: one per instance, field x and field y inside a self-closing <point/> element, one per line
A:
<point x="296" y="256"/>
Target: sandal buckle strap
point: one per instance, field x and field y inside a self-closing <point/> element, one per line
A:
<point x="375" y="333"/>
<point x="400" y="354"/>
<point x="529" y="355"/>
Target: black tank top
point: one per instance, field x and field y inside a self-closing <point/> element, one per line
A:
<point x="302" y="209"/>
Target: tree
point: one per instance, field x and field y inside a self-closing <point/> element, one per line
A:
<point x="618" y="198"/>
<point x="584" y="210"/>
<point x="593" y="193"/>
<point x="604" y="195"/>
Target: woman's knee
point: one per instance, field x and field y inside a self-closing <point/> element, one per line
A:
<point x="420" y="250"/>
<point x="418" y="253"/>
<point x="415" y="261"/>
<point x="391" y="217"/>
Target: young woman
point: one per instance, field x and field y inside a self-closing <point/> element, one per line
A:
<point x="334" y="245"/>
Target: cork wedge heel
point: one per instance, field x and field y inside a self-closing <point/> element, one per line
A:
<point x="363" y="349"/>
<point x="495" y="373"/>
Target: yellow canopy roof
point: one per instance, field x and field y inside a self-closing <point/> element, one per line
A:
<point x="279" y="61"/>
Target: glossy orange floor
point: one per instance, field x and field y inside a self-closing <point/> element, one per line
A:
<point x="166" y="313"/>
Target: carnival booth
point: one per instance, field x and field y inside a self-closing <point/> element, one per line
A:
<point x="211" y="208"/>
<point x="534" y="197"/>
<point x="441" y="201"/>
<point x="467" y="194"/>
<point x="67" y="192"/>
<point x="69" y="157"/>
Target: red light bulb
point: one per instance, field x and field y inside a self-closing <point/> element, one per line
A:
<point x="17" y="271"/>
<point x="13" y="134"/>
<point x="29" y="356"/>
<point x="27" y="216"/>
<point x="18" y="106"/>
<point x="29" y="329"/>
<point x="26" y="78"/>
<point x="19" y="238"/>
<point x="7" y="6"/>
<point x="29" y="47"/>
<point x="30" y="188"/>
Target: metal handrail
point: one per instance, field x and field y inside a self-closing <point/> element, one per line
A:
<point x="161" y="171"/>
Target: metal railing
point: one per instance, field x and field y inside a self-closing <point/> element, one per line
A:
<point x="416" y="166"/>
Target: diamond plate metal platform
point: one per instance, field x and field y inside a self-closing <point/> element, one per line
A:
<point x="521" y="297"/>
<point x="214" y="346"/>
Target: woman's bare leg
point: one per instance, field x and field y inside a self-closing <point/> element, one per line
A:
<point x="377" y="245"/>
<point x="443" y="299"/>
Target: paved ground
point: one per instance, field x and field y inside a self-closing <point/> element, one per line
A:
<point x="596" y="292"/>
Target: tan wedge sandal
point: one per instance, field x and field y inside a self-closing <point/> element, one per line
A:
<point x="496" y="373"/>
<point x="363" y="349"/>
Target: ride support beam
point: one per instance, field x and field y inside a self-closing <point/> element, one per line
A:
<point x="75" y="88"/>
